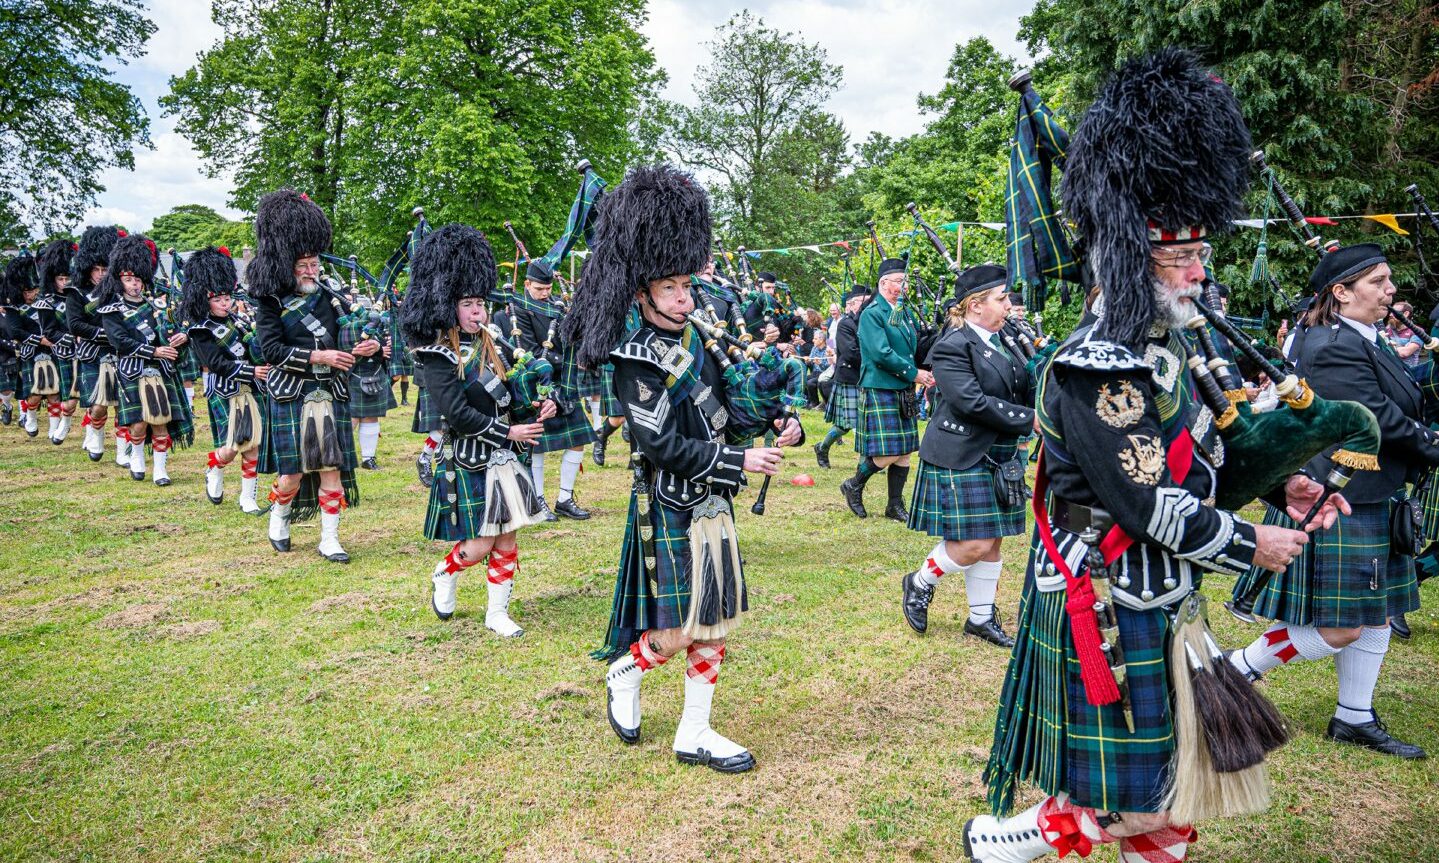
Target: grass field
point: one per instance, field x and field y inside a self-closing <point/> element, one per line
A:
<point x="171" y="689"/>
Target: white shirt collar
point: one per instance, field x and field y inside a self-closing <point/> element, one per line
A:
<point x="1368" y="331"/>
<point x="984" y="335"/>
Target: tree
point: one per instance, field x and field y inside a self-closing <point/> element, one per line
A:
<point x="1338" y="93"/>
<point x="760" y="93"/>
<point x="63" y="120"/>
<point x="475" y="110"/>
<point x="195" y="226"/>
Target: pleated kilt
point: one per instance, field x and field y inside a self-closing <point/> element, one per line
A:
<point x="89" y="376"/>
<point x="563" y="432"/>
<point x="842" y="409"/>
<point x="27" y="378"/>
<point x="280" y="450"/>
<point x="182" y="423"/>
<point x="69" y="378"/>
<point x="10" y="378"/>
<point x="1345" y="576"/>
<point x="1430" y="499"/>
<point x="960" y="504"/>
<point x="609" y="405"/>
<point x="1048" y="734"/>
<point x="882" y="431"/>
<point x="661" y="600"/>
<point x="469" y="504"/>
<point x="364" y="406"/>
<point x="188" y="365"/>
<point x="591" y="383"/>
<point x="402" y="364"/>
<point x="427" y="414"/>
<point x="220" y="416"/>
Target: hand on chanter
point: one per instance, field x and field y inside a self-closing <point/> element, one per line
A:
<point x="763" y="459"/>
<point x="789" y="431"/>
<point x="262" y="372"/>
<point x="548" y="408"/>
<point x="1276" y="547"/>
<point x="1301" y="492"/>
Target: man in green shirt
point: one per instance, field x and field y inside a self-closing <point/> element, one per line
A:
<point x="889" y="429"/>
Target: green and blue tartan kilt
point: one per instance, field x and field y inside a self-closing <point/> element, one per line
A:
<point x="1345" y="576"/>
<point x="182" y="423"/>
<point x="563" y="432"/>
<point x="402" y="363"/>
<point x="187" y="366"/>
<point x="10" y="377"/>
<point x="469" y="503"/>
<point x="427" y="416"/>
<point x="960" y="504"/>
<point x="89" y="377"/>
<point x="662" y="600"/>
<point x="609" y="405"/>
<point x="219" y="407"/>
<point x="1430" y="500"/>
<point x="1048" y="734"/>
<point x="280" y="451"/>
<point x="27" y="378"/>
<point x="591" y="384"/>
<point x="69" y="375"/>
<point x="363" y="406"/>
<point x="842" y="409"/>
<point x="882" y="431"/>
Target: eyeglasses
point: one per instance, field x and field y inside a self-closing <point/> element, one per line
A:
<point x="1181" y="259"/>
<point x="307" y="268"/>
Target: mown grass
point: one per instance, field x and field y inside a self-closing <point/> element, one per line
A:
<point x="171" y="689"/>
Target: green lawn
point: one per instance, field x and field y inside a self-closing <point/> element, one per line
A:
<point x="171" y="689"/>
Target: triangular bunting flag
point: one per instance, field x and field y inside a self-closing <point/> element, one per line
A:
<point x="1388" y="221"/>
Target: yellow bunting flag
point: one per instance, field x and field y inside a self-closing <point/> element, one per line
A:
<point x="1388" y="221"/>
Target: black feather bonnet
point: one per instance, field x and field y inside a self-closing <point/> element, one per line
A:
<point x="134" y="254"/>
<point x="288" y="226"/>
<point x="654" y="224"/>
<point x="205" y="274"/>
<point x="450" y="264"/>
<point x="1161" y="155"/>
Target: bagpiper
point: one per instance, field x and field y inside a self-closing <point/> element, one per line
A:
<point x="841" y="411"/>
<point x="308" y="440"/>
<point x="98" y="386"/>
<point x="681" y="585"/>
<point x="482" y="493"/>
<point x="1095" y="708"/>
<point x="224" y="343"/>
<point x="54" y="266"/>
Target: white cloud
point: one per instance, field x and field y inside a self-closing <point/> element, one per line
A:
<point x="183" y="29"/>
<point x="891" y="50"/>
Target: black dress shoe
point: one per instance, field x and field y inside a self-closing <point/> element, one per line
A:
<point x="280" y="544"/>
<point x="549" y="513"/>
<point x="626" y="735"/>
<point x="598" y="453"/>
<point x="1400" y="625"/>
<point x="370" y="464"/>
<point x="821" y="455"/>
<point x="733" y="764"/>
<point x="571" y="509"/>
<point x="341" y="557"/>
<point x="7" y="414"/>
<point x="853" y="496"/>
<point x="162" y="481"/>
<point x="95" y="456"/>
<point x="989" y="631"/>
<point x="425" y="468"/>
<point x="137" y="477"/>
<point x="916" y="602"/>
<point x="33" y="433"/>
<point x="896" y="511"/>
<point x="1372" y="735"/>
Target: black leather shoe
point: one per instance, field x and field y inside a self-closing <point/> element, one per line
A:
<point x="571" y="509"/>
<point x="549" y="513"/>
<point x="370" y="464"/>
<point x="821" y="455"/>
<point x="916" y="603"/>
<point x="1372" y="735"/>
<point x="853" y="496"/>
<point x="598" y="453"/>
<point x="630" y="736"/>
<point x="162" y="481"/>
<point x="425" y="468"/>
<point x="7" y="414"/>
<point x="896" y="511"/>
<point x="733" y="764"/>
<point x="33" y="433"/>
<point x="342" y="557"/>
<point x="989" y="631"/>
<point x="1400" y="625"/>
<point x="95" y="456"/>
<point x="137" y="477"/>
<point x="280" y="544"/>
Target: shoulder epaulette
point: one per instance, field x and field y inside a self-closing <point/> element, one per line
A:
<point x="443" y="351"/>
<point x="640" y="346"/>
<point x="1088" y="352"/>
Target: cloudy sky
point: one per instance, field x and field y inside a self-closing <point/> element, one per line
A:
<point x="891" y="50"/>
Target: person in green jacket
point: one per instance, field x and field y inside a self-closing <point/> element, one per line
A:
<point x="889" y="429"/>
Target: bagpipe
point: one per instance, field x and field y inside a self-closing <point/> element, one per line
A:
<point x="1423" y="216"/>
<point x="530" y="379"/>
<point x="762" y="386"/>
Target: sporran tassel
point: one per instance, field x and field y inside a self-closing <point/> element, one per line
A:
<point x="154" y="400"/>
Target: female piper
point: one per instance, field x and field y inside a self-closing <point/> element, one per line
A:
<point x="54" y="267"/>
<point x="483" y="492"/>
<point x="233" y="381"/>
<point x="153" y="409"/>
<point x="680" y="585"/>
<point x="308" y="439"/>
<point x="969" y="450"/>
<point x="93" y="355"/>
<point x="1337" y="598"/>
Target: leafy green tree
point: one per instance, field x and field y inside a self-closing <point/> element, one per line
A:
<point x="63" y="119"/>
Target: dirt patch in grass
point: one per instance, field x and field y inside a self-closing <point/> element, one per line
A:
<point x="352" y="600"/>
<point x="191" y="629"/>
<point x="135" y="616"/>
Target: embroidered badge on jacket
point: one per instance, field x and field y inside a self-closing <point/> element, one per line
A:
<point x="1143" y="459"/>
<point x="645" y="393"/>
<point x="1122" y="409"/>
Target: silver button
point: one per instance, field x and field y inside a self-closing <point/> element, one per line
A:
<point x="1124" y="581"/>
<point x="1146" y="595"/>
<point x="1170" y="583"/>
